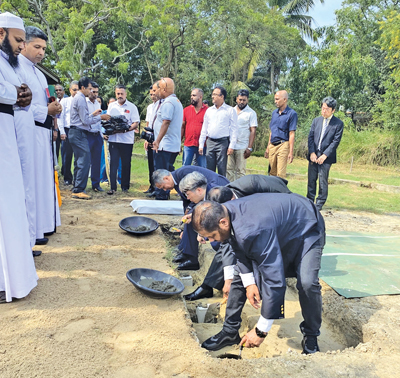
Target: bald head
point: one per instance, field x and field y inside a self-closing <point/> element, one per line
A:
<point x="281" y="99"/>
<point x="166" y="86"/>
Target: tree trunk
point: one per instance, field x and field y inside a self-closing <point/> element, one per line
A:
<point x="272" y="78"/>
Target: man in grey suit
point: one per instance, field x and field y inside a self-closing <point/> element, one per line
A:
<point x="323" y="141"/>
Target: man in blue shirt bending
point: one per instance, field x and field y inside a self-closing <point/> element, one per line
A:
<point x="281" y="138"/>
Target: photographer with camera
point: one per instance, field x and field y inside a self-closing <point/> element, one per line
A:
<point x="121" y="144"/>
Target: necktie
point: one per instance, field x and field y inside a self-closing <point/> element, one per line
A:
<point x="325" y="125"/>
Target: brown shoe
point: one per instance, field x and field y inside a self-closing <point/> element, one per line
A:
<point x="81" y="195"/>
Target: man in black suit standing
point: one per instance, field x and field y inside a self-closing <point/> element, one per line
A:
<point x="323" y="141"/>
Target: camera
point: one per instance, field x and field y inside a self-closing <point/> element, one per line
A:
<point x="148" y="135"/>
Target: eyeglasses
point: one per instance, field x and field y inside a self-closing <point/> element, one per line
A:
<point x="74" y="90"/>
<point x="164" y="82"/>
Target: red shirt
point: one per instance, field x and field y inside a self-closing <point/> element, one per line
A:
<point x="194" y="123"/>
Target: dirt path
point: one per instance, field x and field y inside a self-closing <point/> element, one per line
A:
<point x="86" y="320"/>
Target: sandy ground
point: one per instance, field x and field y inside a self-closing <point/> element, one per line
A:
<point x="85" y="319"/>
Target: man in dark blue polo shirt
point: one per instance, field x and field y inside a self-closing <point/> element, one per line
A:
<point x="281" y="138"/>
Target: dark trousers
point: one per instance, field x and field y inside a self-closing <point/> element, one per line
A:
<point x="66" y="157"/>
<point x="217" y="157"/>
<point x="150" y="163"/>
<point x="79" y="143"/>
<point x="189" y="244"/>
<point x="215" y="275"/>
<point x="95" y="145"/>
<point x="123" y="151"/>
<point x="320" y="172"/>
<point x="309" y="294"/>
<point x="58" y="144"/>
<point x="164" y="160"/>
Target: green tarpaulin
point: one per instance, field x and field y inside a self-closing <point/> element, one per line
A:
<point x="360" y="265"/>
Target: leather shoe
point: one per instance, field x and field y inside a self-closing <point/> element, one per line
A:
<point x="180" y="257"/>
<point x="151" y="195"/>
<point x="199" y="293"/>
<point x="36" y="253"/>
<point x="48" y="233"/>
<point x="150" y="190"/>
<point x="189" y="265"/>
<point x="42" y="241"/>
<point x="98" y="189"/>
<point x="221" y="340"/>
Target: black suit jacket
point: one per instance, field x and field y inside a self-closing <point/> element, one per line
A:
<point x="251" y="184"/>
<point x="330" y="141"/>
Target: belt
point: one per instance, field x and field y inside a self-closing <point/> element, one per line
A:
<point x="279" y="142"/>
<point x="78" y="128"/>
<point x="219" y="139"/>
<point x="95" y="133"/>
<point x="7" y="109"/>
<point x="47" y="124"/>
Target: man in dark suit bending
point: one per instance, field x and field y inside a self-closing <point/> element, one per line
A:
<point x="323" y="141"/>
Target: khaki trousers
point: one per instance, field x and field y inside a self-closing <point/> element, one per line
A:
<point x="236" y="167"/>
<point x="278" y="156"/>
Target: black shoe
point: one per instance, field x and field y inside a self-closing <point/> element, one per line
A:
<point x="42" y="241"/>
<point x="189" y="265"/>
<point x="48" y="233"/>
<point x="36" y="253"/>
<point x="125" y="190"/>
<point x="98" y="189"/>
<point x="180" y="257"/>
<point x="221" y="340"/>
<point x="200" y="293"/>
<point x="66" y="182"/>
<point x="151" y="195"/>
<point x="309" y="344"/>
<point x="150" y="190"/>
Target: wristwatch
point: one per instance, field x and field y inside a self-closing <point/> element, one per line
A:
<point x="250" y="149"/>
<point x="261" y="334"/>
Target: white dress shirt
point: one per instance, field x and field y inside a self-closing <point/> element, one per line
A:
<point x="246" y="118"/>
<point x="150" y="113"/>
<point x="219" y="123"/>
<point x="65" y="117"/>
<point x="131" y="113"/>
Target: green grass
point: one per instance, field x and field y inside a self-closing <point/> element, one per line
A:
<point x="341" y="196"/>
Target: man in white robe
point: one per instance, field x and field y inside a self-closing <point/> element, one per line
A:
<point x="17" y="269"/>
<point x="48" y="213"/>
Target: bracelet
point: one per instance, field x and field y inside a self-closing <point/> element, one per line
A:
<point x="261" y="334"/>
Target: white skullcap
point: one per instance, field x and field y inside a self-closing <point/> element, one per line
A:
<point x="9" y="20"/>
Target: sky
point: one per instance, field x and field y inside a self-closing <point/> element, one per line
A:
<point x="324" y="14"/>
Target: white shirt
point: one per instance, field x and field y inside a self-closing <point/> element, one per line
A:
<point x="65" y="117"/>
<point x="37" y="83"/>
<point x="150" y="113"/>
<point x="8" y="93"/>
<point x="93" y="106"/>
<point x="131" y="113"/>
<point x="219" y="123"/>
<point x="246" y="118"/>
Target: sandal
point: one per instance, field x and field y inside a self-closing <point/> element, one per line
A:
<point x="111" y="192"/>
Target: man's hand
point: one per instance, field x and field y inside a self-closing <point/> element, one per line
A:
<point x="156" y="145"/>
<point x="313" y="157"/>
<point x="145" y="145"/>
<point x="226" y="289"/>
<point x="253" y="295"/>
<point x="321" y="159"/>
<point x="266" y="153"/>
<point x="201" y="240"/>
<point x="200" y="151"/>
<point x="247" y="153"/>
<point x="104" y="117"/>
<point x="105" y="137"/>
<point x="54" y="108"/>
<point x="24" y="95"/>
<point x="187" y="218"/>
<point x="290" y="158"/>
<point x="251" y="340"/>
<point x="230" y="151"/>
<point x="63" y="136"/>
<point x="134" y="126"/>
